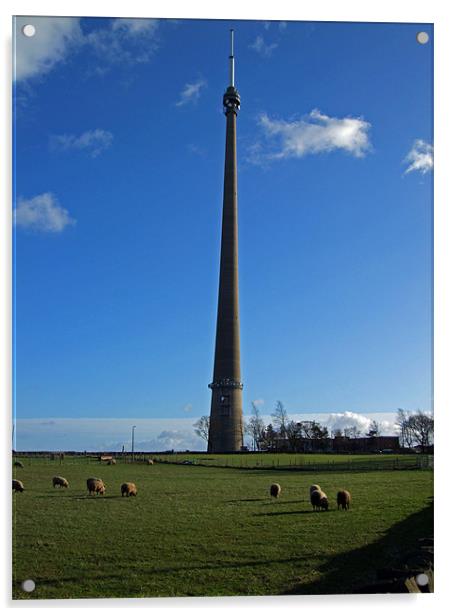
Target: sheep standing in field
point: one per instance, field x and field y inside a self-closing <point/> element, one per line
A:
<point x="60" y="482"/>
<point x="128" y="489"/>
<point x="315" y="499"/>
<point x="323" y="502"/>
<point x="275" y="490"/>
<point x="319" y="500"/>
<point x="343" y="499"/>
<point x="112" y="461"/>
<point x="150" y="461"/>
<point x="18" y="486"/>
<point x="95" y="486"/>
<point x="18" y="463"/>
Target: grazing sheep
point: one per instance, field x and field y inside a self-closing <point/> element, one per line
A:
<point x="323" y="502"/>
<point x="275" y="490"/>
<point x="95" y="486"/>
<point x="316" y="495"/>
<point x="112" y="461"/>
<point x="150" y="461"/>
<point x="343" y="499"/>
<point x="129" y="489"/>
<point x="18" y="486"/>
<point x="18" y="463"/>
<point x="61" y="482"/>
<point x="319" y="500"/>
<point x="314" y="487"/>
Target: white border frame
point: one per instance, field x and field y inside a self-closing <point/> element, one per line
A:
<point x="427" y="11"/>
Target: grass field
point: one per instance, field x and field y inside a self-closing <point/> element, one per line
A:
<point x="198" y="530"/>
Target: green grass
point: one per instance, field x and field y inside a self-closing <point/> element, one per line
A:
<point x="196" y="530"/>
<point x="308" y="462"/>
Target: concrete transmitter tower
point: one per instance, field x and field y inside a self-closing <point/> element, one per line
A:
<point x="226" y="417"/>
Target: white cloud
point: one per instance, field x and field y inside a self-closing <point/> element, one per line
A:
<point x="259" y="402"/>
<point x="191" y="92"/>
<point x="128" y="41"/>
<point x="420" y="157"/>
<point x="313" y="134"/>
<point x="37" y="55"/>
<point x="262" y="48"/>
<point x="135" y="26"/>
<point x="93" y="141"/>
<point x="188" y="407"/>
<point x="42" y="213"/>
<point x="120" y="40"/>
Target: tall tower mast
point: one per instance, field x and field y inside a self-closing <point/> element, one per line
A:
<point x="226" y="416"/>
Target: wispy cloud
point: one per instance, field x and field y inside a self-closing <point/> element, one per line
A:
<point x="419" y="158"/>
<point x="261" y="47"/>
<point x="191" y="92"/>
<point x="282" y="25"/>
<point x="188" y="407"/>
<point x="126" y="41"/>
<point x="94" y="142"/>
<point x="54" y="38"/>
<point x="259" y="401"/>
<point x="42" y="213"/>
<point x="314" y="134"/>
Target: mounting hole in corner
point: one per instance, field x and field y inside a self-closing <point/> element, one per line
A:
<point x="28" y="585"/>
<point x="422" y="38"/>
<point x="422" y="579"/>
<point x="28" y="30"/>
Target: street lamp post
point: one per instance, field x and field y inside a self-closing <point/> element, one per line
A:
<point x="133" y="443"/>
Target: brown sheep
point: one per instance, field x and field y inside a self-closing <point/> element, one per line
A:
<point x="18" y="486"/>
<point x="323" y="502"/>
<point x="128" y="489"/>
<point x="343" y="499"/>
<point x="95" y="486"/>
<point x="61" y="482"/>
<point x="275" y="490"/>
<point x="319" y="500"/>
<point x="316" y="495"/>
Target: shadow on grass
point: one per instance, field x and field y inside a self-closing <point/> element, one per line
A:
<point x="246" y="500"/>
<point x="291" y="512"/>
<point x="351" y="571"/>
<point x="80" y="497"/>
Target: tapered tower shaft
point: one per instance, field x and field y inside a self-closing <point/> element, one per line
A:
<point x="226" y="416"/>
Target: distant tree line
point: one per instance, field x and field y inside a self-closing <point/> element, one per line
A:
<point x="415" y="428"/>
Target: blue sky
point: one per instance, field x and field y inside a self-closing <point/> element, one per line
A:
<point x="119" y="152"/>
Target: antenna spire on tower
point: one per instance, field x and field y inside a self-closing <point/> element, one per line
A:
<point x="231" y="61"/>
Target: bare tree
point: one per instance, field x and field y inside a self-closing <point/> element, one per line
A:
<point x="401" y="423"/>
<point x="255" y="427"/>
<point x="421" y="426"/>
<point x="318" y="431"/>
<point x="269" y="437"/>
<point x="352" y="432"/>
<point x="374" y="429"/>
<point x="280" y="418"/>
<point x="293" y="433"/>
<point x="202" y="427"/>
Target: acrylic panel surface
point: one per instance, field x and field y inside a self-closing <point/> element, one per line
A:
<point x="266" y="232"/>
